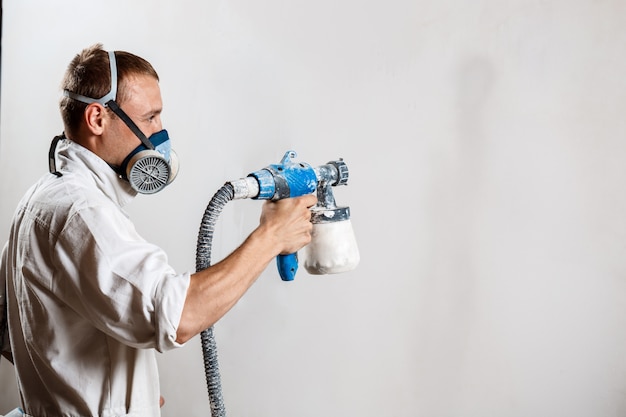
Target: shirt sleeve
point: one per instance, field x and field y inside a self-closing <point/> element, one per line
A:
<point x="119" y="282"/>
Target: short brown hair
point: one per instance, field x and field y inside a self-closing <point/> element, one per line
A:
<point x="89" y="74"/>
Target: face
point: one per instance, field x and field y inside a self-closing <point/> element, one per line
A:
<point x="143" y="105"/>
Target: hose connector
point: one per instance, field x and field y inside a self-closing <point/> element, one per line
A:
<point x="245" y="188"/>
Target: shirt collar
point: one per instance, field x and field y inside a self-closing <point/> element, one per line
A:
<point x="81" y="161"/>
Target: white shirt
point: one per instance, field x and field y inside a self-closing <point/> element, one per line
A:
<point x="89" y="300"/>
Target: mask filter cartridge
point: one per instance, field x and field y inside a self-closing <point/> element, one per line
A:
<point x="150" y="170"/>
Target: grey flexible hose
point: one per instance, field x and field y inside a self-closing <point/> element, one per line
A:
<point x="203" y="261"/>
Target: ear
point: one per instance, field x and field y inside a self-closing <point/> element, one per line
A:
<point x="94" y="118"/>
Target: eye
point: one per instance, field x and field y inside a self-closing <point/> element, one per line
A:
<point x="153" y="117"/>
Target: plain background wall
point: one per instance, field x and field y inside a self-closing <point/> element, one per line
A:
<point x="485" y="141"/>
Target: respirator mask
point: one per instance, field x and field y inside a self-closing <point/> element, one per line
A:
<point x="153" y="164"/>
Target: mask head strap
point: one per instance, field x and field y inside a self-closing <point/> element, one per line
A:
<point x="111" y="95"/>
<point x="108" y="100"/>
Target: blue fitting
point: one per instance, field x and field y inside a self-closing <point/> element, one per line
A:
<point x="287" y="179"/>
<point x="267" y="185"/>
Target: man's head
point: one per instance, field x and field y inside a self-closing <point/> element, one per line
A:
<point x="89" y="75"/>
<point x="112" y="106"/>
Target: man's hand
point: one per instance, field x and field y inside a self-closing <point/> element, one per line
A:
<point x="289" y="222"/>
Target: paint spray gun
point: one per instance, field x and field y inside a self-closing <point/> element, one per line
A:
<point x="333" y="246"/>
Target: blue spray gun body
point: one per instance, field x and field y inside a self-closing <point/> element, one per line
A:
<point x="289" y="179"/>
<point x="285" y="180"/>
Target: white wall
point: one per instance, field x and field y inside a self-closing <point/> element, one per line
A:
<point x="485" y="141"/>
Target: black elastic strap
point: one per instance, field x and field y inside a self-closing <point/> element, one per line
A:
<point x="112" y="104"/>
<point x="52" y="165"/>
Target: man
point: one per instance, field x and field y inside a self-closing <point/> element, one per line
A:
<point x="88" y="299"/>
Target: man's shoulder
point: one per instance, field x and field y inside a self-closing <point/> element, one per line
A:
<point x="52" y="201"/>
<point x="67" y="191"/>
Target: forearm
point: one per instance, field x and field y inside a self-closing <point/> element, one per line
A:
<point x="215" y="290"/>
<point x="284" y="227"/>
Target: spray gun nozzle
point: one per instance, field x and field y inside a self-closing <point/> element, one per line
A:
<point x="333" y="173"/>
